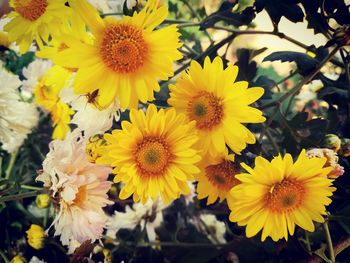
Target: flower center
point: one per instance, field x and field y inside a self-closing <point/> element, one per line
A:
<point x="222" y="175"/>
<point x="206" y="109"/>
<point x="80" y="197"/>
<point x="285" y="196"/>
<point x="152" y="156"/>
<point x="123" y="48"/>
<point x="30" y="9"/>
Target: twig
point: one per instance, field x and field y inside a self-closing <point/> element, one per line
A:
<point x="20" y="196"/>
<point x="303" y="82"/>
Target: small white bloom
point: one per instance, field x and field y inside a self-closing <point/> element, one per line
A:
<point x="148" y="216"/>
<point x="101" y="5"/>
<point x="17" y="118"/>
<point x="214" y="228"/>
<point x="88" y="117"/>
<point x="34" y="259"/>
<point x="34" y="72"/>
<point x="117" y="5"/>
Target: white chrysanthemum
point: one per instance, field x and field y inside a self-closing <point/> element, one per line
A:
<point x="87" y="114"/>
<point x="101" y="5"/>
<point x="34" y="72"/>
<point x="79" y="188"/>
<point x="148" y="216"/>
<point x="117" y="5"/>
<point x="36" y="260"/>
<point x="214" y="228"/>
<point x="17" y="118"/>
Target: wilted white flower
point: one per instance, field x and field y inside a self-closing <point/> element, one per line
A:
<point x="34" y="72"/>
<point x="214" y="228"/>
<point x="87" y="114"/>
<point x="17" y="118"/>
<point x="79" y="189"/>
<point x="148" y="216"/>
<point x="36" y="260"/>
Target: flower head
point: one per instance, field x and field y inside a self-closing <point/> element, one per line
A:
<point x="219" y="105"/>
<point x="275" y="196"/>
<point x="79" y="189"/>
<point x="217" y="177"/>
<point x="36" y="19"/>
<point x="152" y="154"/>
<point x="18" y="118"/>
<point x="214" y="228"/>
<point x="42" y="200"/>
<point x="148" y="215"/>
<point x="36" y="236"/>
<point x="126" y="57"/>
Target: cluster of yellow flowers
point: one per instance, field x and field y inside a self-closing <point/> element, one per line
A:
<point x="158" y="151"/>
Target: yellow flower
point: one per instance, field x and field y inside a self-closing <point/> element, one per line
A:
<point x="217" y="177"/>
<point x="275" y="196"/>
<point x="92" y="146"/>
<point x="47" y="96"/>
<point x="4" y="40"/>
<point x="18" y="259"/>
<point x="36" y="19"/>
<point x="152" y="155"/>
<point x="127" y="56"/>
<point x="36" y="236"/>
<point x="219" y="105"/>
<point x="42" y="200"/>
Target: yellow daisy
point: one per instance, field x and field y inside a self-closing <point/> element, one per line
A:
<point x="37" y="19"/>
<point x="152" y="155"/>
<point x="275" y="196"/>
<point x="46" y="94"/>
<point x="219" y="105"/>
<point x="126" y="58"/>
<point x="217" y="177"/>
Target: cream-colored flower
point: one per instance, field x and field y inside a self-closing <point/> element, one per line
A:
<point x="148" y="216"/>
<point x="213" y="228"/>
<point x="33" y="73"/>
<point x="17" y="118"/>
<point x="88" y="112"/>
<point x="79" y="189"/>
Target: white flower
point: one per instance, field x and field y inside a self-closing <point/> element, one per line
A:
<point x="34" y="259"/>
<point x="148" y="215"/>
<point x="214" y="228"/>
<point x="79" y="189"/>
<point x="117" y="5"/>
<point x="17" y="118"/>
<point x="34" y="72"/>
<point x="88" y="117"/>
<point x="101" y="5"/>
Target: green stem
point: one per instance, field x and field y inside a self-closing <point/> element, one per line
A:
<point x="11" y="163"/>
<point x="273" y="143"/>
<point x="307" y="242"/>
<point x="20" y="196"/>
<point x="30" y="187"/>
<point x="2" y="254"/>
<point x="329" y="241"/>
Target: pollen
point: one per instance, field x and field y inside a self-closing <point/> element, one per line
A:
<point x="123" y="48"/>
<point x="285" y="196"/>
<point x="206" y="109"/>
<point x="222" y="175"/>
<point x="152" y="156"/>
<point x="30" y="9"/>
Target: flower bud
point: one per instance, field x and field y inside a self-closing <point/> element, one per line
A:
<point x="18" y="259"/>
<point x="36" y="236"/>
<point x="332" y="141"/>
<point x="42" y="200"/>
<point x="345" y="147"/>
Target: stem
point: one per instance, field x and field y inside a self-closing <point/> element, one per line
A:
<point x="29" y="187"/>
<point x="307" y="242"/>
<point x="11" y="163"/>
<point x="303" y="82"/>
<point x="273" y="143"/>
<point x="20" y="196"/>
<point x="2" y="254"/>
<point x="329" y="241"/>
